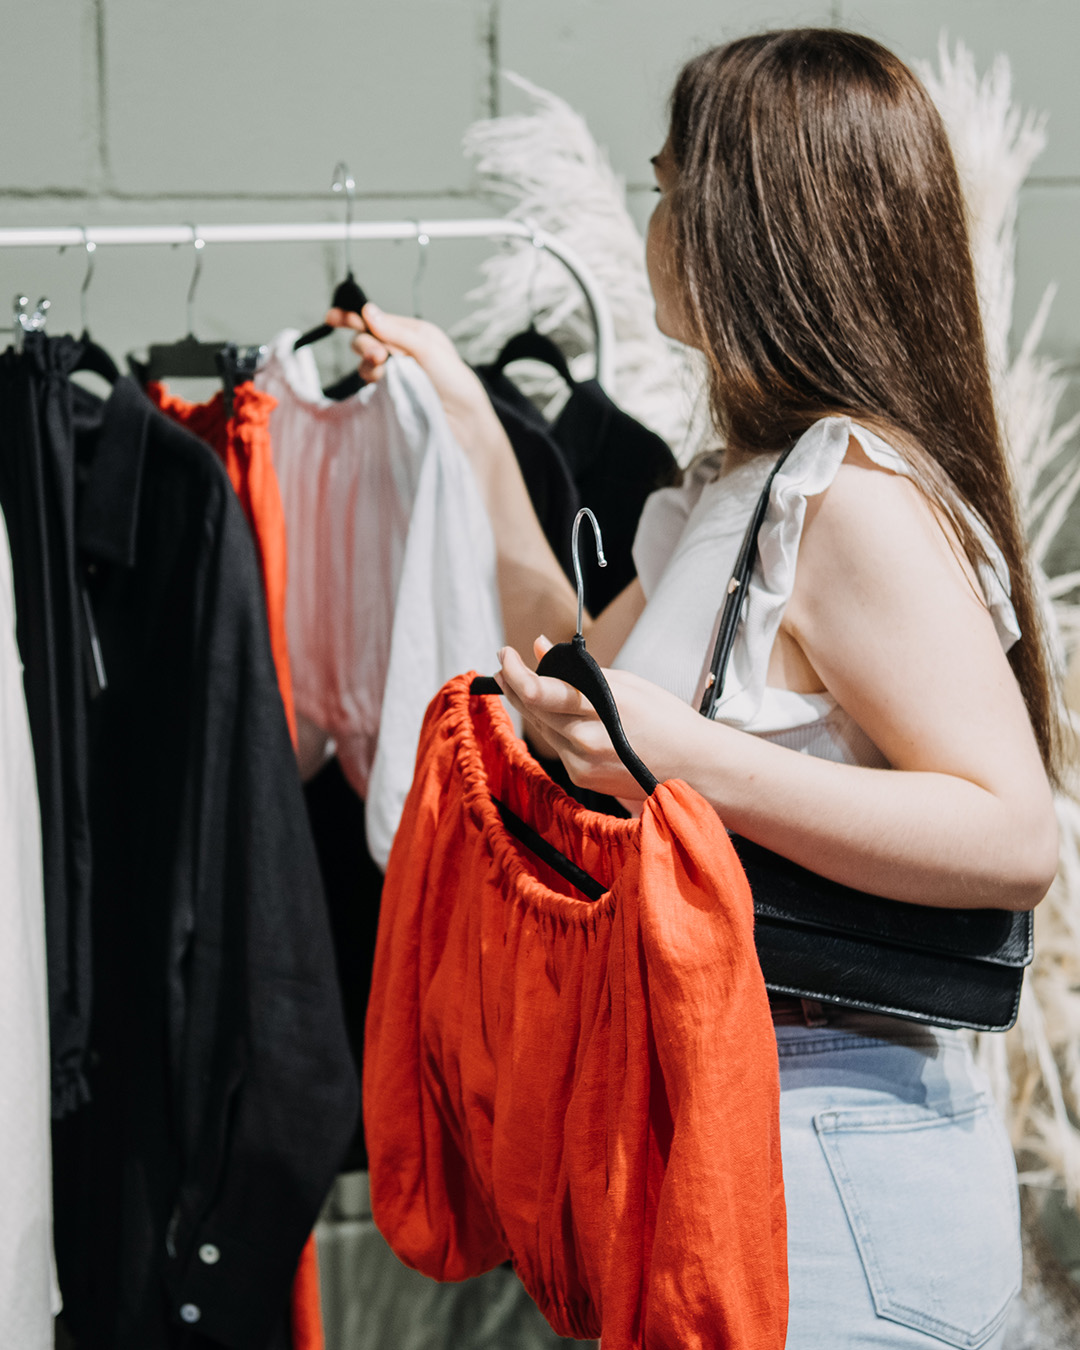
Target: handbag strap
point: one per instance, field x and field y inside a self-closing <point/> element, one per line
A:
<point x="736" y="594"/>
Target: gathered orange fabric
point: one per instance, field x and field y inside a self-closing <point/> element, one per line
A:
<point x="306" y="1305"/>
<point x="242" y="443"/>
<point x="587" y="1087"/>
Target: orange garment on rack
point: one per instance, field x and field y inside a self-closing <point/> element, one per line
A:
<point x="242" y="443"/>
<point x="587" y="1087"/>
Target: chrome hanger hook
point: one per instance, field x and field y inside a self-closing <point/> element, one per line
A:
<point x="344" y="182"/>
<point x="422" y="241"/>
<point x="24" y="322"/>
<point x="582" y="514"/>
<point x="198" y="244"/>
<point x="91" y="249"/>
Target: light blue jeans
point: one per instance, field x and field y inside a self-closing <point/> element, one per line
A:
<point x="903" y="1214"/>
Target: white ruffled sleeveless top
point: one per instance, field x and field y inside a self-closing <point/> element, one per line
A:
<point x="685" y="552"/>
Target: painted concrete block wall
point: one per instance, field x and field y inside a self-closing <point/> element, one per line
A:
<point x="127" y="111"/>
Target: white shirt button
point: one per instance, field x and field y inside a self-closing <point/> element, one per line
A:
<point x="190" y="1313"/>
<point x="209" y="1254"/>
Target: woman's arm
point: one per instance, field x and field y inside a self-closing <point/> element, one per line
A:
<point x="888" y="618"/>
<point x="535" y="595"/>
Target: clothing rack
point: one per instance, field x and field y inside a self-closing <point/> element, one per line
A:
<point x="107" y="236"/>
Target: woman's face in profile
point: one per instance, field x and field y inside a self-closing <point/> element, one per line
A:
<point x="667" y="289"/>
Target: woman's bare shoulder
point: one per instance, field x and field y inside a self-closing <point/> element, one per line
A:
<point x="876" y="528"/>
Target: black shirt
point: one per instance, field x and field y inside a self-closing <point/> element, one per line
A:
<point x="223" y="1094"/>
<point x="594" y="455"/>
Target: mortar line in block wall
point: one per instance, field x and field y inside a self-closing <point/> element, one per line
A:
<point x="119" y="197"/>
<point x="104" y="165"/>
<point x="494" y="64"/>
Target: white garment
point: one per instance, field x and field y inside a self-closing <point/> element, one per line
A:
<point x="28" y="1291"/>
<point x="391" y="566"/>
<point x="685" y="552"/>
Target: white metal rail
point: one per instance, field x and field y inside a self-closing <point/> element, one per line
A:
<point x="107" y="236"/>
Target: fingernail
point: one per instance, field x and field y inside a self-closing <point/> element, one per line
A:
<point x="373" y="308"/>
<point x="500" y="655"/>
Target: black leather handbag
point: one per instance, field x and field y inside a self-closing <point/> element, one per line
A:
<point x="817" y="939"/>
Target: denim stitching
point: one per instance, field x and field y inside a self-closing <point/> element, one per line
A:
<point x="835" y="1122"/>
<point x="791" y="1049"/>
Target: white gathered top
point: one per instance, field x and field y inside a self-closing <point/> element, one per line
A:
<point x="685" y="551"/>
<point x="391" y="566"/>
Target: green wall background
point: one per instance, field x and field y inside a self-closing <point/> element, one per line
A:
<point x="129" y="111"/>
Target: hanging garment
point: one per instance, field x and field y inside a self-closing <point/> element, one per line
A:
<point x="37" y="497"/>
<point x="28" y="1293"/>
<point x="589" y="1088"/>
<point x="222" y="1091"/>
<point x="594" y="455"/>
<point x="241" y="440"/>
<point x="391" y="566"/>
<point x="305" y="1310"/>
<point x="353" y="885"/>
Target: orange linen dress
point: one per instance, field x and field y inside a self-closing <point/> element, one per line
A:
<point x="242" y="443"/>
<point x="589" y="1088"/>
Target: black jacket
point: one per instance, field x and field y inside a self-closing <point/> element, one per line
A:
<point x="222" y="1091"/>
<point x="37" y="496"/>
<point x="594" y="455"/>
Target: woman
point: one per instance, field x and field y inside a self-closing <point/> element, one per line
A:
<point x="810" y="240"/>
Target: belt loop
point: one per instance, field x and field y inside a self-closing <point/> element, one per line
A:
<point x="814" y="1014"/>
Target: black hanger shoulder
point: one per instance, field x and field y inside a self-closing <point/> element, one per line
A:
<point x="532" y="345"/>
<point x="573" y="663"/>
<point x="96" y="360"/>
<point x="349" y="296"/>
<point x="187" y="359"/>
<point x="547" y="853"/>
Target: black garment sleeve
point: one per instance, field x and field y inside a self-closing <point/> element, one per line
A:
<point x="615" y="462"/>
<point x="37" y="496"/>
<point x="266" y="1087"/>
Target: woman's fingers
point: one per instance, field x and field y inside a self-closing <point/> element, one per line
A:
<point x="411" y="337"/>
<point x="345" y="318"/>
<point x="464" y="399"/>
<point x="369" y="348"/>
<point x="543" y="696"/>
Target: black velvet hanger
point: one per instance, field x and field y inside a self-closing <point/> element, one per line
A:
<point x="344" y="388"/>
<point x="185" y="359"/>
<point x="572" y="662"/>
<point x="349" y="296"/>
<point x="547" y="853"/>
<point x="96" y="360"/>
<point x="532" y="345"/>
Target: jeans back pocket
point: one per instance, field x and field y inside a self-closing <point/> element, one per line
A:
<point x="931" y="1198"/>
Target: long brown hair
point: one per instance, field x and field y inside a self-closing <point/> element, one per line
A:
<point x="820" y="234"/>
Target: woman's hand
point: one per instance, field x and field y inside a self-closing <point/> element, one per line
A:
<point x="535" y="595"/>
<point x="378" y="335"/>
<point x="559" y="719"/>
